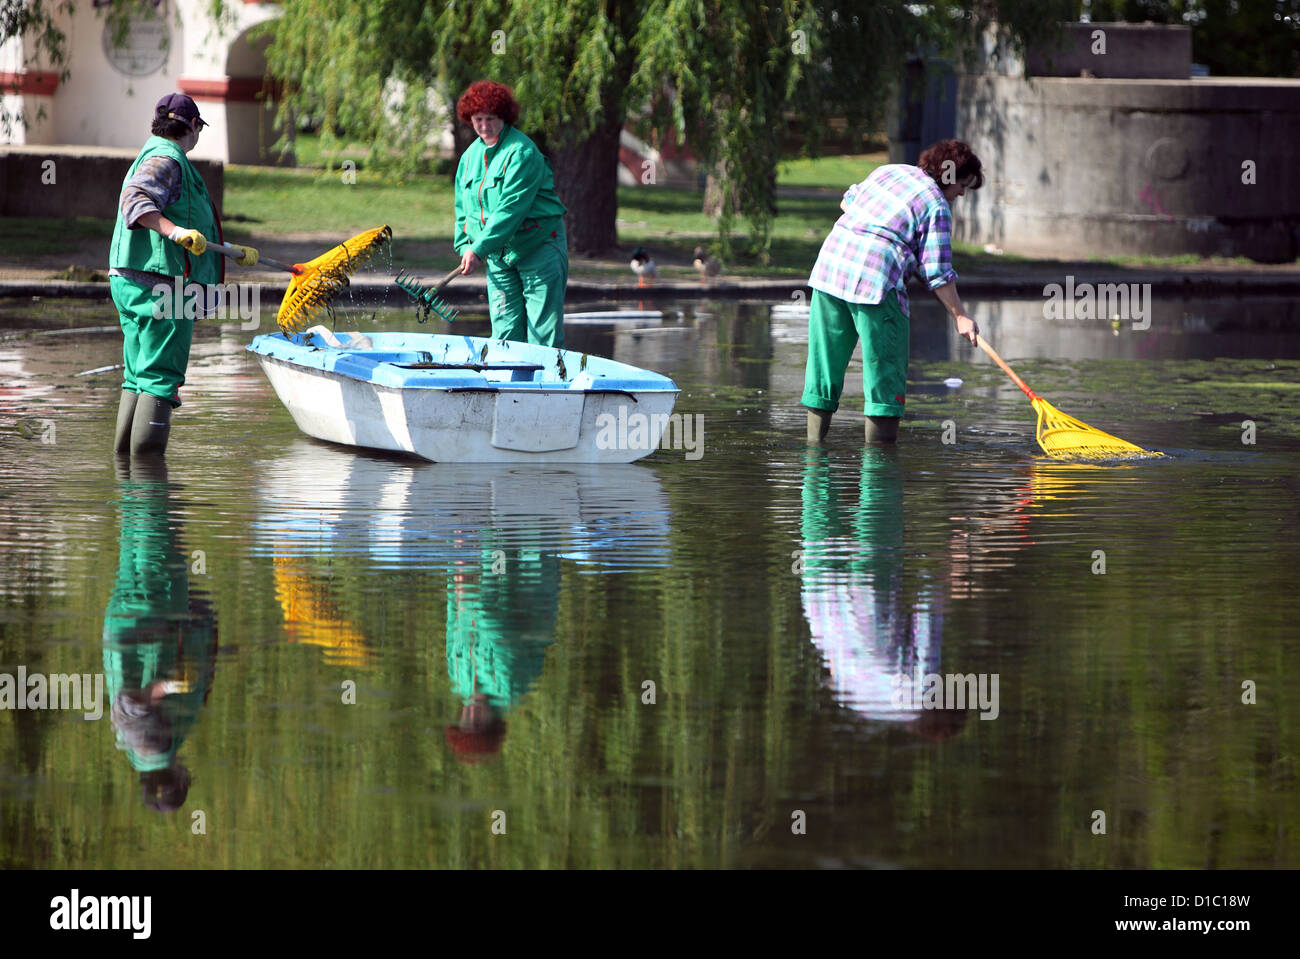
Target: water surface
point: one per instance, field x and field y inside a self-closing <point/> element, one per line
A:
<point x="712" y="662"/>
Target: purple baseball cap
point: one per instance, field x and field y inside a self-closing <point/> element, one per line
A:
<point x="179" y="107"/>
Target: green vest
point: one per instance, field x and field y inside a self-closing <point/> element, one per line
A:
<point x="143" y="249"/>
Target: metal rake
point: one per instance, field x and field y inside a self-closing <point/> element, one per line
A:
<point x="428" y="302"/>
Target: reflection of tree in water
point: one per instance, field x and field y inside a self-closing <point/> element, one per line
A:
<point x="160" y="640"/>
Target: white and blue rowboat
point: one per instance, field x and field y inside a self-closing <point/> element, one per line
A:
<point x="466" y="399"/>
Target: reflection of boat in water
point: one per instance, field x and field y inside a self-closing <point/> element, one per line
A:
<point x="317" y="499"/>
<point x="614" y="318"/>
<point x="322" y="504"/>
<point x="464" y="399"/>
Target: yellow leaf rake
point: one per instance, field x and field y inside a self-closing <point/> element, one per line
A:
<point x="1063" y="437"/>
<point x="318" y="281"/>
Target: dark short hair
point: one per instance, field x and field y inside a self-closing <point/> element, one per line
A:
<point x="165" y="789"/>
<point x="169" y="128"/>
<point x="488" y="97"/>
<point x="957" y="152"/>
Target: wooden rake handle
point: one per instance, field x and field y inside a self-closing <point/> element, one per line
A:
<point x="225" y="249"/>
<point x="983" y="343"/>
<point x="446" y="279"/>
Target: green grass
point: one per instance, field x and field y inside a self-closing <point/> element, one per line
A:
<point x="310" y="151"/>
<point x="35" y="235"/>
<point x="274" y="201"/>
<point x="263" y="202"/>
<point x="313" y="204"/>
<point x="835" y="172"/>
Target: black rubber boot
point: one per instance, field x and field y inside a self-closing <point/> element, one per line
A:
<point x="882" y="429"/>
<point x="819" y="424"/>
<point x="149" y="468"/>
<point x="125" y="413"/>
<point x="151" y="426"/>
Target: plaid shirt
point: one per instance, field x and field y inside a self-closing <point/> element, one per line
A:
<point x="898" y="222"/>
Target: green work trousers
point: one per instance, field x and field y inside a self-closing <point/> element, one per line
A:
<point x="834" y="327"/>
<point x="526" y="300"/>
<point x="155" y="352"/>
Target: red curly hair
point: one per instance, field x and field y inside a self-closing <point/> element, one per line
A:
<point x="964" y="163"/>
<point x="488" y="97"/>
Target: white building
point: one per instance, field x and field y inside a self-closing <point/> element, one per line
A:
<point x="171" y="45"/>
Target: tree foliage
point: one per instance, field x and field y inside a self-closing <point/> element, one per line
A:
<point x="736" y="81"/>
<point x="1235" y="38"/>
<point x="741" y="83"/>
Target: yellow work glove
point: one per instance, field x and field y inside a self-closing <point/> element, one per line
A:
<point x="192" y="240"/>
<point x="250" y="255"/>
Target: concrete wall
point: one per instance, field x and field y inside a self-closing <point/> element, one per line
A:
<point x="1085" y="167"/>
<point x="1134" y="51"/>
<point x="86" y="182"/>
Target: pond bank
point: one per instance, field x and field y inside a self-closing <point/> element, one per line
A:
<point x="1013" y="280"/>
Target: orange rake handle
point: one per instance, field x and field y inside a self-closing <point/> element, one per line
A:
<point x="1005" y="369"/>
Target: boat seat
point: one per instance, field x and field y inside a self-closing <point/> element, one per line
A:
<point x="532" y="367"/>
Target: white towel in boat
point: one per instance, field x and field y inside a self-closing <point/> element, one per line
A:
<point x="356" y="341"/>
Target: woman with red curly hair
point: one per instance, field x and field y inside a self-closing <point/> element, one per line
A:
<point x="897" y="221"/>
<point x="509" y="219"/>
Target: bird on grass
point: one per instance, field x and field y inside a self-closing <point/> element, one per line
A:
<point x="643" y="266"/>
<point x="706" y="265"/>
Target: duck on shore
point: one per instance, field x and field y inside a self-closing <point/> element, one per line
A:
<point x="643" y="266"/>
<point x="706" y="265"/>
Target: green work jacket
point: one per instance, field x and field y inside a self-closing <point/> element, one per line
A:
<point x="505" y="198"/>
<point x="147" y="250"/>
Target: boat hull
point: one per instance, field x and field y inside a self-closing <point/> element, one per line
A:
<point x="581" y="419"/>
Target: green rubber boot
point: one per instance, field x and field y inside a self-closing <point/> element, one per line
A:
<point x="882" y="429"/>
<point x="150" y="426"/>
<point x="125" y="413"/>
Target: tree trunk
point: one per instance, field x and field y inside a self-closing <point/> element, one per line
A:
<point x="586" y="178"/>
<point x="715" y="200"/>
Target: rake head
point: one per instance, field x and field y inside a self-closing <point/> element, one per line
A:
<point x="1065" y="438"/>
<point x="429" y="303"/>
<point x="318" y="281"/>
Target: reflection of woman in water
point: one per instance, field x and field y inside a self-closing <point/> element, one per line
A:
<point x="160" y="643"/>
<point x="879" y="639"/>
<point x="498" y="631"/>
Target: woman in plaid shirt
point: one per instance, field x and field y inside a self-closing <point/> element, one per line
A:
<point x="896" y="222"/>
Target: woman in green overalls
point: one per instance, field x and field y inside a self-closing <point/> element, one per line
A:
<point x="164" y="220"/>
<point x="509" y="219"/>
